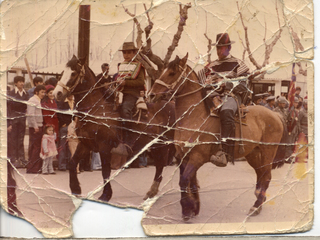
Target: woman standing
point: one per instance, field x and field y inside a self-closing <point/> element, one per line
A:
<point x="49" y="112"/>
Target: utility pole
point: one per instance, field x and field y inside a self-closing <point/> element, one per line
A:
<point x="84" y="32"/>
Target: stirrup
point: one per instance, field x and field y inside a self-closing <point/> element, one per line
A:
<point x="219" y="159"/>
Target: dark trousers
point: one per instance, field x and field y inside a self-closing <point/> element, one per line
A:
<point x="64" y="152"/>
<point x="17" y="138"/>
<point x="35" y="162"/>
<point x="227" y="131"/>
<point x="127" y="108"/>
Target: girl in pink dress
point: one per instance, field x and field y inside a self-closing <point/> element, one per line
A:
<point x="48" y="149"/>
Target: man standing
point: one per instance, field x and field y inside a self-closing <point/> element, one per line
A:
<point x="293" y="129"/>
<point x="131" y="80"/>
<point x="303" y="118"/>
<point x="270" y="103"/>
<point x="17" y="108"/>
<point x="104" y="77"/>
<point x="297" y="93"/>
<point x="35" y="122"/>
<point x="230" y="67"/>
<point x="36" y="81"/>
<point x="64" y="121"/>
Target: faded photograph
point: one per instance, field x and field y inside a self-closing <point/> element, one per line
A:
<point x="199" y="113"/>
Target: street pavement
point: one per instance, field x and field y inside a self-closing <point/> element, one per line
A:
<point x="226" y="195"/>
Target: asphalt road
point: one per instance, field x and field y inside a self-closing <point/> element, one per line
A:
<point x="226" y="196"/>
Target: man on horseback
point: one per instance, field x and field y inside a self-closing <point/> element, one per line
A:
<point x="226" y="66"/>
<point x="130" y="80"/>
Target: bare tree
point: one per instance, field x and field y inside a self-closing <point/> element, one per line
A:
<point x="268" y="47"/>
<point x="298" y="46"/>
<point x="145" y="55"/>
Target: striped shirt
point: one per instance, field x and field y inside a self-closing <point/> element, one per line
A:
<point x="229" y="67"/>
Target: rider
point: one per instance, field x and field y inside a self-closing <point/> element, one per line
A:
<point x="131" y="80"/>
<point x="229" y="67"/>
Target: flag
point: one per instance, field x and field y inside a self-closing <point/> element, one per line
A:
<point x="292" y="89"/>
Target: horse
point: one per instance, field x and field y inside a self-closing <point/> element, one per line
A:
<point x="99" y="127"/>
<point x="197" y="135"/>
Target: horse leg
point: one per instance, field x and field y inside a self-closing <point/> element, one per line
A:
<point x="254" y="160"/>
<point x="73" y="176"/>
<point x="159" y="162"/>
<point x="195" y="193"/>
<point x="263" y="172"/>
<point x="106" y="171"/>
<point x="189" y="206"/>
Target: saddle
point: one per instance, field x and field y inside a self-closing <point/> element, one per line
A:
<point x="217" y="103"/>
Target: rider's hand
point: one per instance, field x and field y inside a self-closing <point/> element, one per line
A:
<point x="121" y="82"/>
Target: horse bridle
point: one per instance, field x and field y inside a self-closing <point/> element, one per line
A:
<point x="79" y="79"/>
<point x="172" y="86"/>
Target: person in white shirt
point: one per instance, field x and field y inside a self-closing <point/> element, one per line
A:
<point x="35" y="122"/>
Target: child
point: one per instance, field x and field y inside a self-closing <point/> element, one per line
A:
<point x="48" y="149"/>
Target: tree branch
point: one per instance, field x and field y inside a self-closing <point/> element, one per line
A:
<point x="209" y="47"/>
<point x="244" y="47"/>
<point x="254" y="62"/>
<point x="269" y="47"/>
<point x="183" y="18"/>
<point x="139" y="29"/>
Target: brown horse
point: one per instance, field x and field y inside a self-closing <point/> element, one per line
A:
<point x="197" y="135"/>
<point x="99" y="127"/>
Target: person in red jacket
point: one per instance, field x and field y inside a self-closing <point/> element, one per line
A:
<point x="49" y="112"/>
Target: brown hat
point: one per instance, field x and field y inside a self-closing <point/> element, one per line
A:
<point x="222" y="39"/>
<point x="128" y="46"/>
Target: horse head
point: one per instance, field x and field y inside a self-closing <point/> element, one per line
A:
<point x="168" y="82"/>
<point x="72" y="75"/>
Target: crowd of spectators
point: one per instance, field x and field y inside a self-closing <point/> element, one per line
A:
<point x="45" y="119"/>
<point x="294" y="114"/>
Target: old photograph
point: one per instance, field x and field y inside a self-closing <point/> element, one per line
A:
<point x="199" y="113"/>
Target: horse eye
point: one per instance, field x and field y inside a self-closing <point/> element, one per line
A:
<point x="172" y="74"/>
<point x="73" y="74"/>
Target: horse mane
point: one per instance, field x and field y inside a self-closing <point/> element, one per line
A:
<point x="72" y="63"/>
<point x="173" y="64"/>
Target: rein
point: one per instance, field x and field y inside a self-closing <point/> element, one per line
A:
<point x="92" y="89"/>
<point x="172" y="86"/>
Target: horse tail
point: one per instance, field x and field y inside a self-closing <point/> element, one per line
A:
<point x="279" y="159"/>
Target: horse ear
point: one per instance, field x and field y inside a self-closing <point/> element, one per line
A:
<point x="183" y="61"/>
<point x="74" y="57"/>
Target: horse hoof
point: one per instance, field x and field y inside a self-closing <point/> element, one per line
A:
<point x="254" y="211"/>
<point x="187" y="218"/>
<point x="149" y="195"/>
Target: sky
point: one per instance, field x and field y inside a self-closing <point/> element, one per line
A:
<point x="46" y="31"/>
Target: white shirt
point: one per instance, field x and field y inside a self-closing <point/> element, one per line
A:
<point x="16" y="90"/>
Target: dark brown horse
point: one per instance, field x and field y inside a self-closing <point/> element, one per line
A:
<point x="99" y="127"/>
<point x="197" y="135"/>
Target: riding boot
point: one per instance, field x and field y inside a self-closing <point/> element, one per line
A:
<point x="227" y="131"/>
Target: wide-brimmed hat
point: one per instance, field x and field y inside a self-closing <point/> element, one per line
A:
<point x="128" y="46"/>
<point x="222" y="39"/>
